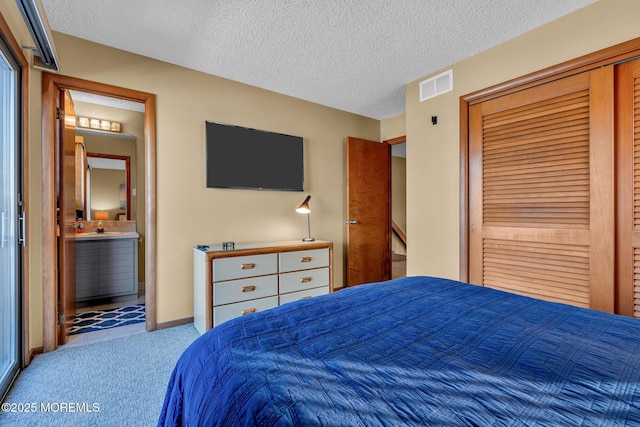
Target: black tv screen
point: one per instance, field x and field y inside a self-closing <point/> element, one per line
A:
<point x="239" y="157"/>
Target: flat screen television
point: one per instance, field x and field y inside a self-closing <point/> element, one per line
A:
<point x="244" y="158"/>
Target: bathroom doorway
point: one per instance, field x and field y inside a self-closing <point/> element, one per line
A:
<point x="109" y="183"/>
<point x="56" y="332"/>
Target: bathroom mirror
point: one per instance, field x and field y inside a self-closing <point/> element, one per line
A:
<point x="108" y="187"/>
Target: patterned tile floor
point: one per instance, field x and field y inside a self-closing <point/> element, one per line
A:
<point x="100" y="320"/>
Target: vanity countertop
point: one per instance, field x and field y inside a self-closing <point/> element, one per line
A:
<point x="107" y="235"/>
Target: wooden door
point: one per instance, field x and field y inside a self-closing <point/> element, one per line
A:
<point x="541" y="191"/>
<point x="369" y="211"/>
<point x="66" y="216"/>
<point x="628" y="186"/>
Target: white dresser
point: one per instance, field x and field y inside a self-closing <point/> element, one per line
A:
<point x="256" y="277"/>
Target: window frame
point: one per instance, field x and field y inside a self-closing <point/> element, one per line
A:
<point x="8" y="38"/>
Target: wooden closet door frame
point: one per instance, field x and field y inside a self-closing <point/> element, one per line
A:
<point x="627" y="236"/>
<point x="609" y="56"/>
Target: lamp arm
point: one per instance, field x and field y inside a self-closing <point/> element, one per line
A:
<point x="309" y="238"/>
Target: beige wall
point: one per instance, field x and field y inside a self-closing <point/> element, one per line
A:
<point x="433" y="163"/>
<point x="188" y="213"/>
<point x="393" y="127"/>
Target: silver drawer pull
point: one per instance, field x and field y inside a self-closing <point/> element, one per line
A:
<point x="248" y="266"/>
<point x="248" y="310"/>
<point x="306" y="279"/>
<point x="248" y="289"/>
<point x="305" y="259"/>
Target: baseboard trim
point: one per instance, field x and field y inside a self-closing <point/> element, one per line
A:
<point x="172" y="323"/>
<point x="32" y="353"/>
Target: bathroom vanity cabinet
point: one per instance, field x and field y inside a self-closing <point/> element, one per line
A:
<point x="106" y="267"/>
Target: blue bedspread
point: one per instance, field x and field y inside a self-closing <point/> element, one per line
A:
<point x="413" y="351"/>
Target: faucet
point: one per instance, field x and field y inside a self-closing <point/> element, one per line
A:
<point x="100" y="228"/>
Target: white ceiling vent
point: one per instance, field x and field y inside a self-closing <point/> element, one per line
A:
<point x="436" y="85"/>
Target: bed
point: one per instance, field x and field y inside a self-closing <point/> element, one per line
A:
<point x="411" y="351"/>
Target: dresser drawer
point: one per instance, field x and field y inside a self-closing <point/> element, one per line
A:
<point x="244" y="289"/>
<point x="244" y="266"/>
<point x="226" y="312"/>
<point x="308" y="293"/>
<point x="302" y="260"/>
<point x="307" y="279"/>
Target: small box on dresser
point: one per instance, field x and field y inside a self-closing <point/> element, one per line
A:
<point x="256" y="277"/>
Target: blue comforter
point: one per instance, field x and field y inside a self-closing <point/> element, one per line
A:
<point x="412" y="351"/>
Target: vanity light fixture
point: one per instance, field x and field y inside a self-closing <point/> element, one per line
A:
<point x="304" y="209"/>
<point x="83" y="122"/>
<point x="99" y="124"/>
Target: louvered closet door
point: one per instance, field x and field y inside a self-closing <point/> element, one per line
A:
<point x="541" y="191"/>
<point x="628" y="174"/>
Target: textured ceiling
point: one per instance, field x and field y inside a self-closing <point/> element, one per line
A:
<point x="107" y="101"/>
<point x="354" y="55"/>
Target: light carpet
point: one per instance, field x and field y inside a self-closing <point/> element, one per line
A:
<point x="120" y="382"/>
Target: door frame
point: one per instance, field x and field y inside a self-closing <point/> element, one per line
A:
<point x="393" y="141"/>
<point x="609" y="56"/>
<point x="51" y="85"/>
